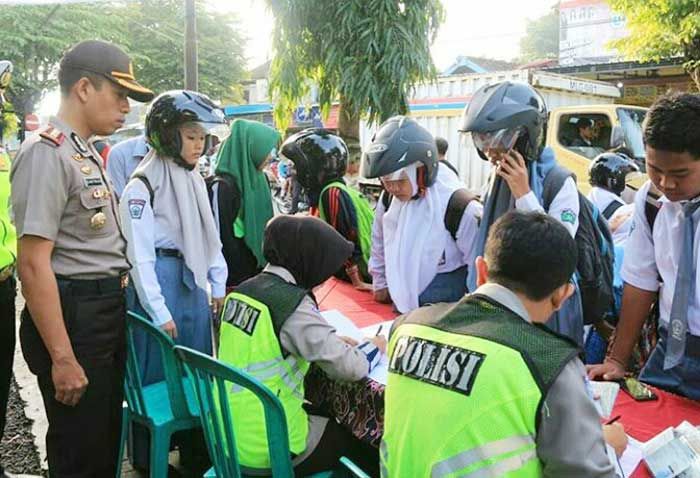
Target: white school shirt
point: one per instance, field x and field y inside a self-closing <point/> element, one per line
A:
<point x="649" y="255"/>
<point x="144" y="234"/>
<point x="564" y="207"/>
<point x="602" y="198"/>
<point x="457" y="253"/>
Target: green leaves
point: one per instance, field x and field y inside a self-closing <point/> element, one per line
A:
<point x="661" y="29"/>
<point x="541" y="40"/>
<point x="151" y="31"/>
<point x="369" y="52"/>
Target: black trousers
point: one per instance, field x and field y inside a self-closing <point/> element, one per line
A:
<point x="338" y="441"/>
<point x="7" y="344"/>
<point x="83" y="441"/>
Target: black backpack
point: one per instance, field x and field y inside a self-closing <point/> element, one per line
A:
<point x="596" y="253"/>
<point x="456" y="206"/>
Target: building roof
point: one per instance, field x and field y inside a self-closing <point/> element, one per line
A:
<point x="472" y="64"/>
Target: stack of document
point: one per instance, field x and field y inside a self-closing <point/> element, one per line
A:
<point x="675" y="452"/>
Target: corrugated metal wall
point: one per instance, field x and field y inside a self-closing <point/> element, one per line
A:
<point x="444" y="122"/>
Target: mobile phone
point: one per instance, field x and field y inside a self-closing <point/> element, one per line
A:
<point x="637" y="389"/>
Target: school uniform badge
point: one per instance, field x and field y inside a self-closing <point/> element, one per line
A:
<point x="136" y="208"/>
<point x="567" y="215"/>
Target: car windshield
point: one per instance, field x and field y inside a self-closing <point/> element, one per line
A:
<point x="631" y="121"/>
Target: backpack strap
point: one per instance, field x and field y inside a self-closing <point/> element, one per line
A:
<point x="450" y="166"/>
<point x="146" y="183"/>
<point x="456" y="206"/>
<point x="553" y="183"/>
<point x="651" y="210"/>
<point x="610" y="210"/>
<point x="386" y="198"/>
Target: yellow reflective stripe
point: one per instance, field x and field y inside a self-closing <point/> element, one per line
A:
<point x="504" y="466"/>
<point x="484" y="452"/>
<point x="287" y="369"/>
<point x="383" y="459"/>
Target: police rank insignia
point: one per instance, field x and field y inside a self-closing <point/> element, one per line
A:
<point x="568" y="215"/>
<point x="136" y="208"/>
<point x="86" y="169"/>
<point x="78" y="157"/>
<point x="445" y="366"/>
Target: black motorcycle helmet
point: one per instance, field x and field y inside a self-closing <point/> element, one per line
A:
<point x="319" y="157"/>
<point x="503" y="108"/>
<point x="609" y="171"/>
<point x="172" y="109"/>
<point x="398" y="142"/>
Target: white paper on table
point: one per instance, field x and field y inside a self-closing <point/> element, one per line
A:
<point x="607" y="394"/>
<point x="380" y="373"/>
<point x="342" y="325"/>
<point x="632" y="456"/>
<point x="658" y="441"/>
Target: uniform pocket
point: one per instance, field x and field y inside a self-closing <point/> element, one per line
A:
<point x="97" y="328"/>
<point x="95" y="217"/>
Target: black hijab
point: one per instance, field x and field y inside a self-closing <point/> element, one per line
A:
<point x="311" y="250"/>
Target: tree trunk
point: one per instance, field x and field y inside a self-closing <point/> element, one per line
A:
<point x="349" y="130"/>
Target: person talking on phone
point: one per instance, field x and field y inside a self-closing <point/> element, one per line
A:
<point x="507" y="122"/>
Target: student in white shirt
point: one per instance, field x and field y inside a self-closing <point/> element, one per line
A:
<point x="173" y="244"/>
<point x="507" y="125"/>
<point x="662" y="260"/>
<point x="607" y="174"/>
<point x="423" y="236"/>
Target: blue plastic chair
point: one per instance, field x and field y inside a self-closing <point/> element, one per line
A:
<point x="210" y="379"/>
<point x="163" y="407"/>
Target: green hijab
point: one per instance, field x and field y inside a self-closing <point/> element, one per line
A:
<point x="240" y="156"/>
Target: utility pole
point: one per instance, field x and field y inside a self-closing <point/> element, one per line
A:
<point x="191" y="76"/>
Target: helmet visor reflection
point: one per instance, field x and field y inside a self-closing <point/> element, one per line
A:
<point x="500" y="140"/>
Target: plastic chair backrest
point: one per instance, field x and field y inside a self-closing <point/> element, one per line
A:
<point x="210" y="379"/>
<point x="171" y="366"/>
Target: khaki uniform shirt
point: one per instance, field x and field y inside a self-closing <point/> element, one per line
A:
<point x="60" y="193"/>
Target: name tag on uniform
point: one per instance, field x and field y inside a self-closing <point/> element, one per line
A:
<point x="242" y="316"/>
<point x="439" y="364"/>
<point x="92" y="182"/>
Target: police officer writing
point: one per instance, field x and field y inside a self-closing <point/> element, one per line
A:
<point x="491" y="391"/>
<point x="72" y="262"/>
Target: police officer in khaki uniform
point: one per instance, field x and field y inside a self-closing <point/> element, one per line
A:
<point x="72" y="262"/>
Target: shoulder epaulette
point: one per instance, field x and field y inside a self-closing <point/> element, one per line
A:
<point x="53" y="135"/>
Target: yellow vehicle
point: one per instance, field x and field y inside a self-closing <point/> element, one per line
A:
<point x="580" y="133"/>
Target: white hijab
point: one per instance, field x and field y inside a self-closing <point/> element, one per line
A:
<point x="182" y="203"/>
<point x="415" y="238"/>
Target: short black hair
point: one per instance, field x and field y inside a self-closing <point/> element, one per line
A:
<point x="530" y="253"/>
<point x="673" y="124"/>
<point x="584" y="123"/>
<point x="69" y="76"/>
<point x="442" y="145"/>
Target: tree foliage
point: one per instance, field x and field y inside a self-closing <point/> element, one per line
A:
<point x="541" y="40"/>
<point x="365" y="53"/>
<point x="661" y="29"/>
<point x="151" y="31"/>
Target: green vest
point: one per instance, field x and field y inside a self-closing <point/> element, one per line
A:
<point x="249" y="340"/>
<point x="466" y="382"/>
<point x="365" y="218"/>
<point x="8" y="236"/>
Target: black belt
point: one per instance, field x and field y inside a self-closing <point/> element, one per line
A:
<point x="169" y="253"/>
<point x="95" y="286"/>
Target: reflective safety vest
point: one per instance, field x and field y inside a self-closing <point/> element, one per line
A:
<point x="466" y="382"/>
<point x="8" y="236"/>
<point x="365" y="218"/>
<point x="249" y="340"/>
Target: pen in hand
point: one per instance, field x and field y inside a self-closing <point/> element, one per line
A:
<point x="379" y="330"/>
<point x="613" y="420"/>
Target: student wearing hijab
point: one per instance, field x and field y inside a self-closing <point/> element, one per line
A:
<point x="240" y="196"/>
<point x="425" y="224"/>
<point x="172" y="241"/>
<point x="271" y="328"/>
<point x="507" y="122"/>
